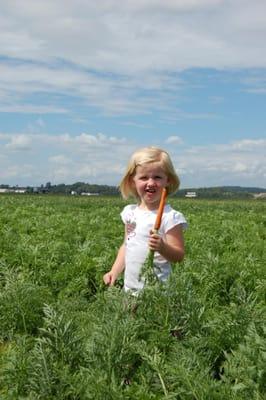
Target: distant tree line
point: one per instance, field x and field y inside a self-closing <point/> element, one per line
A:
<point x="78" y="188"/>
<point x="223" y="192"/>
<point x="220" y="192"/>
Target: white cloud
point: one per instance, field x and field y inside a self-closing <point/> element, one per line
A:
<point x="59" y="159"/>
<point x="62" y="158"/>
<point x="31" y="109"/>
<point x="250" y="144"/>
<point x="68" y="57"/>
<point x="255" y="82"/>
<point x="174" y="140"/>
<point x="19" y="142"/>
<point x="98" y="140"/>
<point x="126" y="37"/>
<point x="21" y="172"/>
<point x="105" y="53"/>
<point x="240" y="167"/>
<point x="112" y="94"/>
<point x="223" y="164"/>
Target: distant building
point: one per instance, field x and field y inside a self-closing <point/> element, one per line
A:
<point x="20" y="191"/>
<point x="8" y="190"/>
<point x="260" y="195"/>
<point x="191" y="194"/>
<point x="89" y="194"/>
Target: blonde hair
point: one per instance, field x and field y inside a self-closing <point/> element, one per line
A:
<point x="144" y="156"/>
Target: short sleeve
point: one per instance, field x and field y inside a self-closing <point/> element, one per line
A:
<point x="174" y="218"/>
<point x="127" y="213"/>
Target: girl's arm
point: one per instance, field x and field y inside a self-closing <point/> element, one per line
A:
<point x="119" y="265"/>
<point x="172" y="248"/>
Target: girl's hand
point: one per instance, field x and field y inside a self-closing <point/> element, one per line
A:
<point x="109" y="278"/>
<point x="156" y="243"/>
<point x="171" y="247"/>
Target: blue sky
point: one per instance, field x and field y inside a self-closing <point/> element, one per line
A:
<point x="83" y="84"/>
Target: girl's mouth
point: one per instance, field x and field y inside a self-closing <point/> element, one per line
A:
<point x="150" y="190"/>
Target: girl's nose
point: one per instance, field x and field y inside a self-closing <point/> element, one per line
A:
<point x="151" y="182"/>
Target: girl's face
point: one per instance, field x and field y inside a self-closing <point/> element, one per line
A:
<point x="149" y="181"/>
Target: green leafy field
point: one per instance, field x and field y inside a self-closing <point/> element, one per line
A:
<point x="63" y="335"/>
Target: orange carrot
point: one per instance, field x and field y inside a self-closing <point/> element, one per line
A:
<point x="147" y="270"/>
<point x="160" y="210"/>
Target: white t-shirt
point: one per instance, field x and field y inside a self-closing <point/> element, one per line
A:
<point x="139" y="223"/>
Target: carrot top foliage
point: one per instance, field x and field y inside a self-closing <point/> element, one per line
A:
<point x="63" y="335"/>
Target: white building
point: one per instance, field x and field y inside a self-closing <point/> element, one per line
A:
<point x="20" y="191"/>
<point x="89" y="194"/>
<point x="191" y="194"/>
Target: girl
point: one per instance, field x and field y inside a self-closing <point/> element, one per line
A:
<point x="149" y="171"/>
